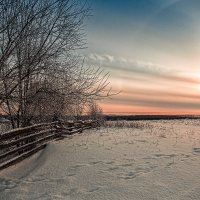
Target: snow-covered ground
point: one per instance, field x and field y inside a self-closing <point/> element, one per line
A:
<point x="160" y="161"/>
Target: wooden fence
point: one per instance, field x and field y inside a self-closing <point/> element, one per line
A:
<point x="18" y="144"/>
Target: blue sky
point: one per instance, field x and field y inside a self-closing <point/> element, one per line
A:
<point x="151" y="46"/>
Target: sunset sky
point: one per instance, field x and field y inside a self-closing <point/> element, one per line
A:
<point x="151" y="48"/>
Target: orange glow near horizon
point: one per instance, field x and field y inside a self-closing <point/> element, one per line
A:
<point x="174" y="98"/>
<point x="136" y="110"/>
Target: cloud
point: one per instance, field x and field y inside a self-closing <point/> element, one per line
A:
<point x="101" y="58"/>
<point x="109" y="58"/>
<point x="161" y="94"/>
<point x="129" y="66"/>
<point x="96" y="57"/>
<point x="125" y="64"/>
<point x="157" y="103"/>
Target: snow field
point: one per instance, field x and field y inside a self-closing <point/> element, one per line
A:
<point x="158" y="160"/>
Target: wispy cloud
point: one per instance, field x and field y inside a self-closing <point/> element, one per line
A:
<point x="157" y="103"/>
<point x="101" y="58"/>
<point x="125" y="64"/>
<point x="129" y="67"/>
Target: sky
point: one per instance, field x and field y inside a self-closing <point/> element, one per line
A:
<point x="151" y="49"/>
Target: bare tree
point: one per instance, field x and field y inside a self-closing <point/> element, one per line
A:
<point x="95" y="112"/>
<point x="38" y="39"/>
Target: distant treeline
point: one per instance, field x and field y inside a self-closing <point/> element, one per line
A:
<point x="148" y="117"/>
<point x="37" y="119"/>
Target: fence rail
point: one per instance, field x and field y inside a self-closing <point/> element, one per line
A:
<point x="18" y="144"/>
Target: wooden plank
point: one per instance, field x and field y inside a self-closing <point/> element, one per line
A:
<point x="27" y="146"/>
<point x="86" y="127"/>
<point x="71" y="132"/>
<point x="17" y="132"/>
<point x="67" y="128"/>
<point x="68" y="123"/>
<point x="12" y="134"/>
<point x="23" y="139"/>
<point x="21" y="157"/>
